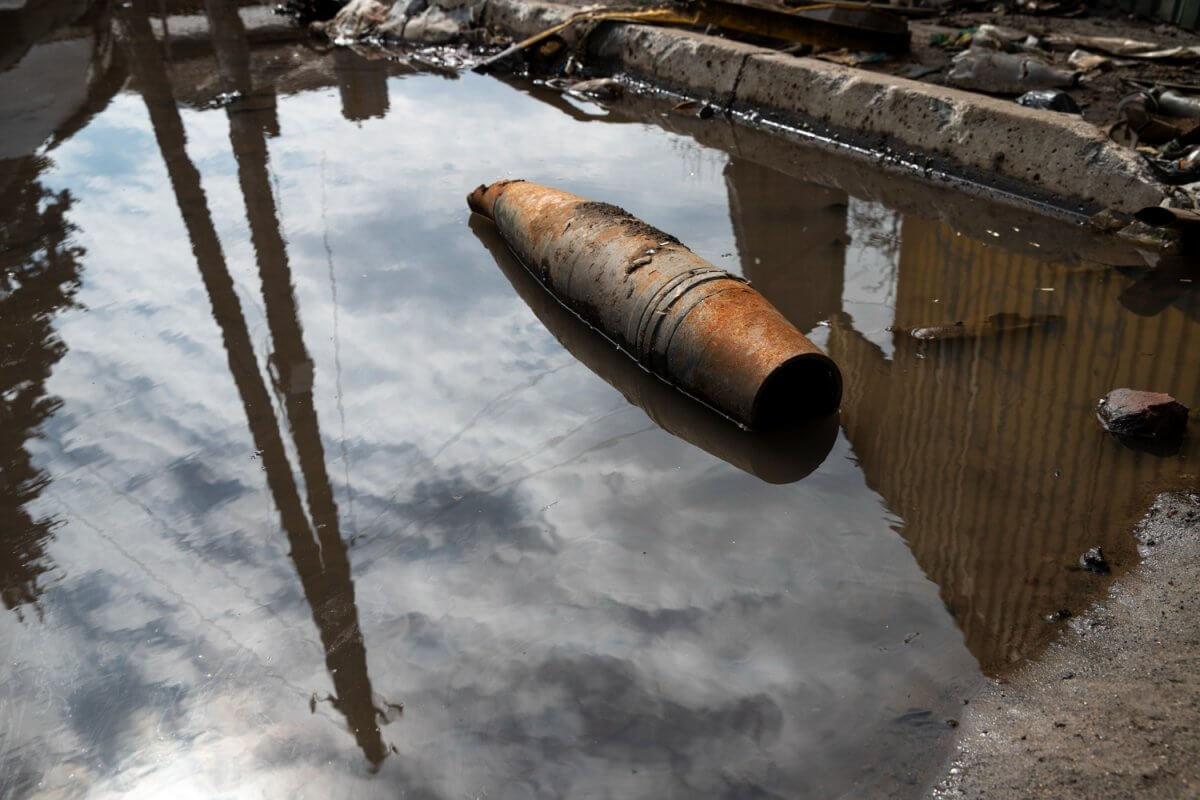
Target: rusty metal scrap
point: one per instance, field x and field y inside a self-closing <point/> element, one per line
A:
<point x="778" y="456"/>
<point x="823" y="25"/>
<point x="696" y="326"/>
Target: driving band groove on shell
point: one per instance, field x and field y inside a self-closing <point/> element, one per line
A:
<point x="695" y="325"/>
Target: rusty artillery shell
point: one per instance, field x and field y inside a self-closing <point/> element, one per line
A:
<point x="698" y="327"/>
<point x="779" y="456"/>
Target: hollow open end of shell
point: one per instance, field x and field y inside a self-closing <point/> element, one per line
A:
<point x="803" y="387"/>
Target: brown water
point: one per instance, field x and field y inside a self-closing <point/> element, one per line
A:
<point x="308" y="491"/>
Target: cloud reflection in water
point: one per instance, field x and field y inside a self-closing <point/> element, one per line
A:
<point x="567" y="599"/>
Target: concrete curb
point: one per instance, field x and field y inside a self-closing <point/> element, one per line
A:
<point x="1047" y="156"/>
<point x="1054" y="152"/>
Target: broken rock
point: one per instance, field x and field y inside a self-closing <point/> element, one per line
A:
<point x="1094" y="561"/>
<point x="1134" y="414"/>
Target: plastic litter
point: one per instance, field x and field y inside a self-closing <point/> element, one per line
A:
<point x="1051" y="100"/>
<point x="1127" y="48"/>
<point x="694" y="108"/>
<point x="597" y="89"/>
<point x="1084" y="61"/>
<point x="1178" y="171"/>
<point x="991" y="71"/>
<point x="1158" y="117"/>
<point x="1176" y="104"/>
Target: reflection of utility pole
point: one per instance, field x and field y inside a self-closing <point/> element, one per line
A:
<point x="337" y="617"/>
<point x="362" y="84"/>
<point x="320" y="561"/>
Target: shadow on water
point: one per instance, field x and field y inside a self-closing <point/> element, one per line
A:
<point x="317" y="548"/>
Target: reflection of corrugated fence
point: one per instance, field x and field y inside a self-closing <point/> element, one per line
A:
<point x="988" y="448"/>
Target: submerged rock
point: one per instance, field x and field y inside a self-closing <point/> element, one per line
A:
<point x="1134" y="414"/>
<point x="1094" y="561"/>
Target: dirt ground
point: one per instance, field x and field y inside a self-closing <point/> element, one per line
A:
<point x="1113" y="710"/>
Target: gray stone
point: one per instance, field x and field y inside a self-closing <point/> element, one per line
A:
<point x="1130" y="413"/>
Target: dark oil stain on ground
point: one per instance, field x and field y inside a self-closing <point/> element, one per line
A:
<point x="300" y="497"/>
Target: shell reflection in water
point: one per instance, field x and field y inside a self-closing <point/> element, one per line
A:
<point x="779" y="456"/>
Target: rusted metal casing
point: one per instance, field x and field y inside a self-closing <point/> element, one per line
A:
<point x="695" y="325"/>
<point x="779" y="456"/>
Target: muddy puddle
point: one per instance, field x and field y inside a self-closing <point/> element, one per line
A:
<point x="308" y="491"/>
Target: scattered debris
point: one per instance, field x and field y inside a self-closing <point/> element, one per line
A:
<point x="958" y="41"/>
<point x="852" y="59"/>
<point x="1050" y="100"/>
<point x="597" y="89"/>
<point x="1134" y="414"/>
<point x="694" y="108"/>
<point x="402" y="20"/>
<point x="436" y="24"/>
<point x="1185" y="219"/>
<point x="1175" y="170"/>
<point x="1108" y="221"/>
<point x="665" y="16"/>
<point x="1149" y="121"/>
<point x="1116" y="46"/>
<point x="1172" y="103"/>
<point x="1084" y="61"/>
<point x="1093" y="561"/>
<point x="918" y="71"/>
<point x="995" y="72"/>
<point x="824" y="25"/>
<point x="1003" y="322"/>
